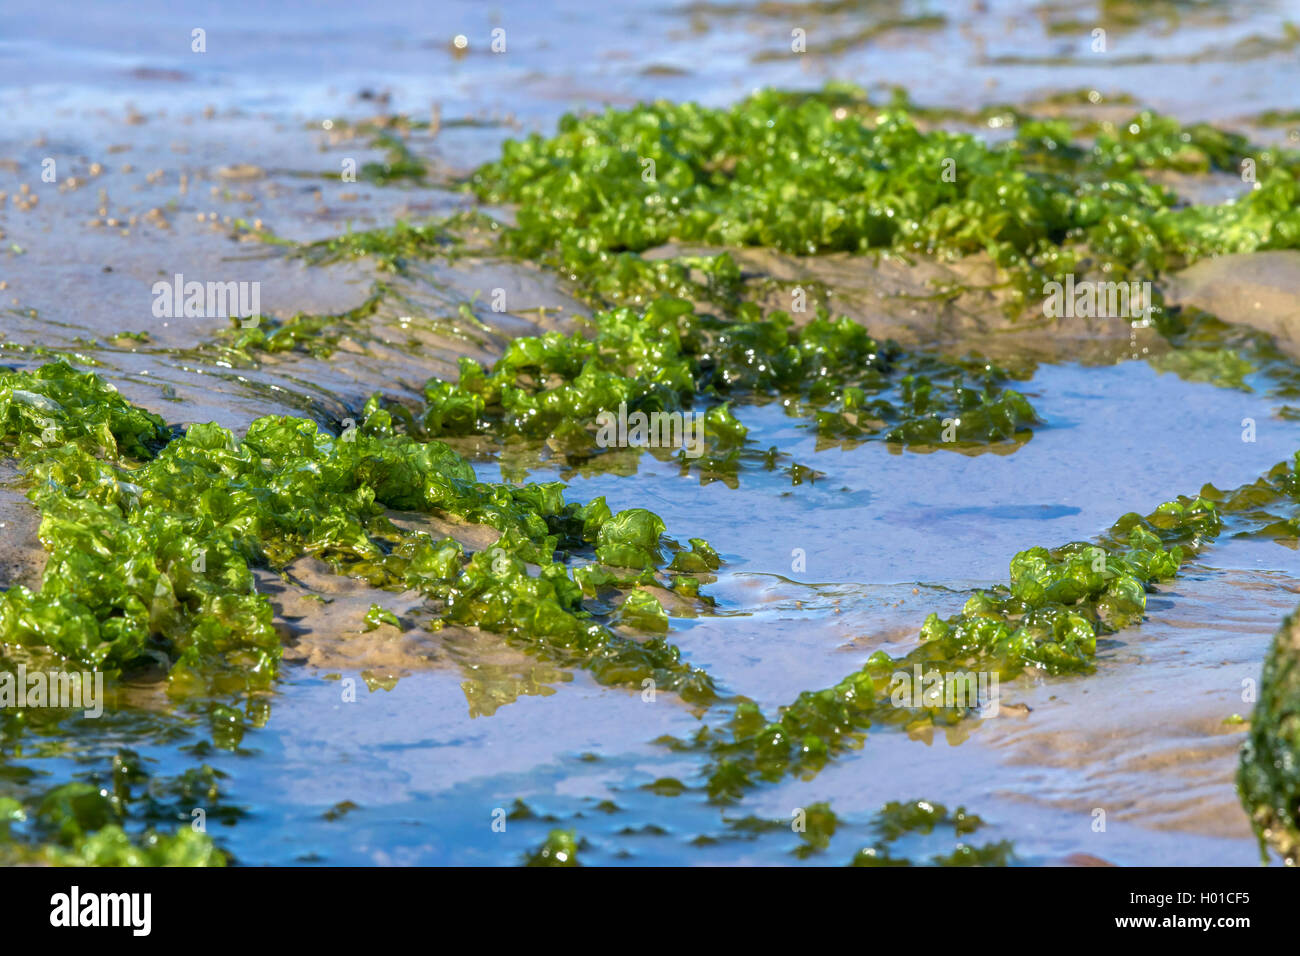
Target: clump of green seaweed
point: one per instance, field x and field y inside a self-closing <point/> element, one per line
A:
<point x="666" y="357"/>
<point x="560" y="848"/>
<point x="808" y="174"/>
<point x="159" y="553"/>
<point x="79" y="824"/>
<point x="1268" y="779"/>
<point x="898" y="820"/>
<point x="399" y="163"/>
<point x="85" y="822"/>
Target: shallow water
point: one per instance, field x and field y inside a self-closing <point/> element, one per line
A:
<point x="312" y="57"/>
<point x="1119" y="438"/>
<point x="886" y="537"/>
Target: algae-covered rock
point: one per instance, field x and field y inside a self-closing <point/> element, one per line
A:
<point x="1269" y="777"/>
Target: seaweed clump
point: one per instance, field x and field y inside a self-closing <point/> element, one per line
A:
<point x="1268" y="778"/>
<point x="159" y="553"/>
<point x="831" y="172"/>
<point x="666" y="358"/>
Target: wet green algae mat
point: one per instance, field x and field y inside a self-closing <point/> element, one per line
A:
<point x="160" y="539"/>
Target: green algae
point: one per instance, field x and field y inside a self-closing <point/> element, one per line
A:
<point x="141" y="337"/>
<point x="111" y="846"/>
<point x="1268" y="779"/>
<point x="630" y="539"/>
<point x="642" y="610"/>
<point x="1042" y="204"/>
<point x="389" y="247"/>
<point x="1276" y="118"/>
<point x="666" y="358"/>
<point x="399" y="164"/>
<point x="553" y="387"/>
<point x="1252" y="47"/>
<point x="898" y="820"/>
<point x="160" y="554"/>
<point x="85" y="822"/>
<point x="559" y="849"/>
<point x="808" y="177"/>
<point x="819" y="824"/>
<point x="58" y="406"/>
<point x="377" y="616"/>
<point x="171" y="537"/>
<point x="1078" y="205"/>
